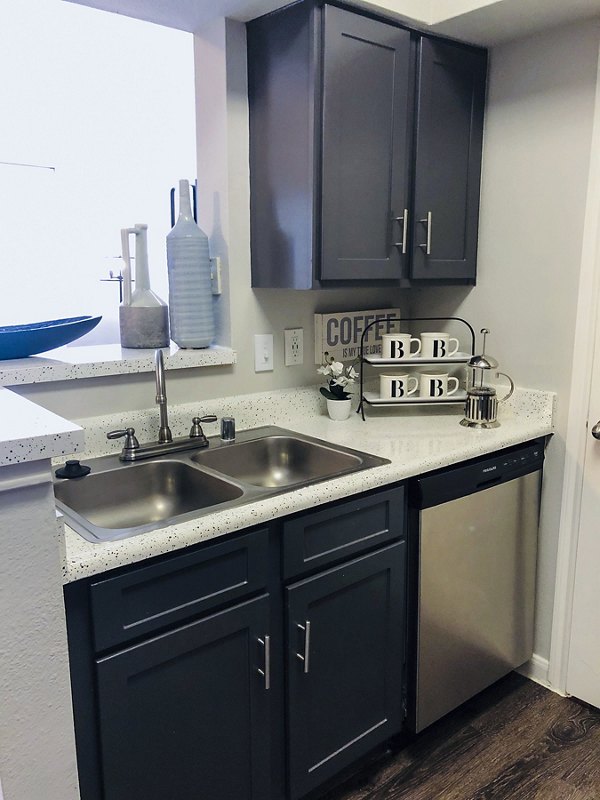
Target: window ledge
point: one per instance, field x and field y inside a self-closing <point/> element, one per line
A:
<point x="75" y="363"/>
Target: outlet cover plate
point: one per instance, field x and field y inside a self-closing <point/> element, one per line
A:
<point x="294" y="346"/>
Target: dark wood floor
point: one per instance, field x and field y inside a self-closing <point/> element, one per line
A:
<point x="515" y="741"/>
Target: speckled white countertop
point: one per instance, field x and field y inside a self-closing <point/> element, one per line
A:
<point x="30" y="433"/>
<point x="414" y="440"/>
<point x="93" y="361"/>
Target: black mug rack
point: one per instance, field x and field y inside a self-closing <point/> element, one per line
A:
<point x="412" y="361"/>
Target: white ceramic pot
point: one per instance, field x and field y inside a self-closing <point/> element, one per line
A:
<point x="339" y="409"/>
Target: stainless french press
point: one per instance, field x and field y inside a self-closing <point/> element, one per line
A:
<point x="481" y="406"/>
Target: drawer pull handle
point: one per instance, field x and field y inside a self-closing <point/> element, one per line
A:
<point x="306" y="657"/>
<point x="266" y="672"/>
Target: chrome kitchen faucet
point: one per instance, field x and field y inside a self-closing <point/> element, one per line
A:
<point x="164" y="432"/>
<point x="134" y="451"/>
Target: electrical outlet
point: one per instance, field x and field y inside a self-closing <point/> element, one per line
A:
<point x="294" y="346"/>
<point x="263" y="352"/>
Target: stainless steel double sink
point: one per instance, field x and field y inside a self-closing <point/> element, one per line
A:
<point x="117" y="500"/>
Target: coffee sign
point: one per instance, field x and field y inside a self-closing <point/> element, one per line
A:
<point x="339" y="335"/>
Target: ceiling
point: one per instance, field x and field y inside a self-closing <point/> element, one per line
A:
<point x="485" y="22"/>
<point x="510" y="19"/>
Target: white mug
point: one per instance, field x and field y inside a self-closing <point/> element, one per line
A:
<point x="397" y="387"/>
<point x="437" y="344"/>
<point x="435" y="384"/>
<point x="398" y="345"/>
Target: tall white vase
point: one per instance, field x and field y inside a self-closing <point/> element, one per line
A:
<point x="190" y="293"/>
<point x="143" y="316"/>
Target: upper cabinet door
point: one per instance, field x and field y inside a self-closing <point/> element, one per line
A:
<point x="449" y="132"/>
<point x="365" y="147"/>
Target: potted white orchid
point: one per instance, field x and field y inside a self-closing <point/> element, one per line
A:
<point x="339" y="378"/>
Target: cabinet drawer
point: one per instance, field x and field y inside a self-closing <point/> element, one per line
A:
<point x="150" y="598"/>
<point x="312" y="541"/>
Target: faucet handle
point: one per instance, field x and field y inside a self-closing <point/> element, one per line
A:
<point x="196" y="431"/>
<point x="131" y="442"/>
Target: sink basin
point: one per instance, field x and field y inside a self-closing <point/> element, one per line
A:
<point x="118" y="500"/>
<point x="141" y="496"/>
<point x="277" y="461"/>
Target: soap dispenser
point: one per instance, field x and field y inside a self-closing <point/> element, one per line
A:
<point x="143" y="316"/>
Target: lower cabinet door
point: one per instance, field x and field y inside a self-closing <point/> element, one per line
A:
<point x="346" y="634"/>
<point x="185" y="715"/>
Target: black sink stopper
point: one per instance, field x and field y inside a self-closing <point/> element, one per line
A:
<point x="72" y="469"/>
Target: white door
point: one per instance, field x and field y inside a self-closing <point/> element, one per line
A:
<point x="583" y="674"/>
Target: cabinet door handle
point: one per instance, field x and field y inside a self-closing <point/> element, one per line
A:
<point x="404" y="221"/>
<point x="305" y="658"/>
<point x="266" y="672"/>
<point x="427" y="223"/>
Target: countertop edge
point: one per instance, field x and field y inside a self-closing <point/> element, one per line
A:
<point x="29" y="432"/>
<point x="96" y="361"/>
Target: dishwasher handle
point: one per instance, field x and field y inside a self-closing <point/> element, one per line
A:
<point x="486" y="484"/>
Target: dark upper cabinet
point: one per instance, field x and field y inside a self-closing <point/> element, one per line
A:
<point x="329" y="94"/>
<point x="185" y="714"/>
<point x="345" y="664"/>
<point x="345" y="158"/>
<point x="449" y="131"/>
<point x="365" y="140"/>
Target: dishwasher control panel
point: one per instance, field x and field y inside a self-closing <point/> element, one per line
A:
<point x="534" y="456"/>
<point x="476" y="474"/>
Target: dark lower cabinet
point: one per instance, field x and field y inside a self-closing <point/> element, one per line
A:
<point x="345" y="664"/>
<point x="186" y="685"/>
<point x="186" y="714"/>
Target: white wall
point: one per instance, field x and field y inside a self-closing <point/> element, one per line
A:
<point x="535" y="172"/>
<point x="37" y="741"/>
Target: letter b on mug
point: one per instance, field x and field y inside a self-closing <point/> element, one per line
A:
<point x="398" y="345"/>
<point x="397" y="387"/>
<point x="437" y="344"/>
<point x="436" y="384"/>
<point x="436" y="387"/>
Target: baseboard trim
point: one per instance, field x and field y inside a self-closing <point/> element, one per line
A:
<point x="536" y="669"/>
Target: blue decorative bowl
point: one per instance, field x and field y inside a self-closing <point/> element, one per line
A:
<point x="19" y="341"/>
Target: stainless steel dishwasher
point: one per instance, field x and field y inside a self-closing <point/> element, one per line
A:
<point x="474" y="544"/>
